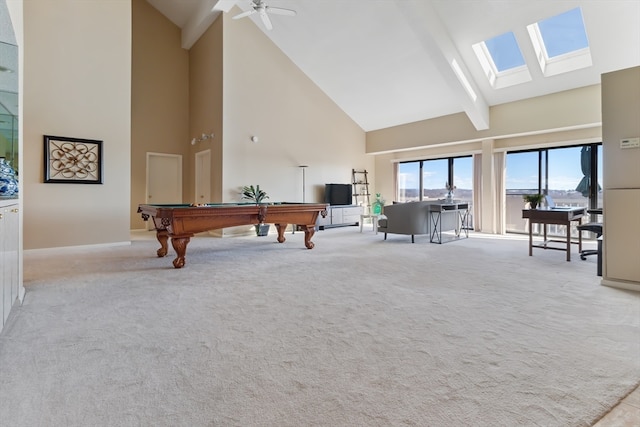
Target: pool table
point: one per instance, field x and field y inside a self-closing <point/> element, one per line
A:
<point x="180" y="222"/>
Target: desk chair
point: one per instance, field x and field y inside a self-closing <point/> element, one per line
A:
<point x="594" y="227"/>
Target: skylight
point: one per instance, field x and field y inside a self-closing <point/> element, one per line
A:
<point x="561" y="43"/>
<point x="563" y="33"/>
<point x="502" y="61"/>
<point x="504" y="51"/>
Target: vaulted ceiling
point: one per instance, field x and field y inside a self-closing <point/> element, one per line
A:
<point x="391" y="62"/>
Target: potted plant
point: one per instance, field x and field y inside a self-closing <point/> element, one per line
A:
<point x="378" y="204"/>
<point x="533" y="199"/>
<point x="256" y="195"/>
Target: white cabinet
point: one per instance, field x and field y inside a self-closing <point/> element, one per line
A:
<point x="338" y="216"/>
<point x="9" y="262"/>
<point x="351" y="214"/>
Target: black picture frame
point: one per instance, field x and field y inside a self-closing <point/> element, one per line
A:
<point x="72" y="160"/>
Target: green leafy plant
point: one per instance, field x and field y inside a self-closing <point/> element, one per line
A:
<point x="255" y="194"/>
<point x="378" y="204"/>
<point x="533" y="199"/>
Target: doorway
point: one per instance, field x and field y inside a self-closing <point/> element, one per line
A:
<point x="164" y="179"/>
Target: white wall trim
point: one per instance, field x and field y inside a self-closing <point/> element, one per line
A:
<point x="56" y="250"/>
<point x="629" y="286"/>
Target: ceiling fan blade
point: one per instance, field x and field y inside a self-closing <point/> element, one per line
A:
<point x="243" y="14"/>
<point x="280" y="11"/>
<point x="266" y="21"/>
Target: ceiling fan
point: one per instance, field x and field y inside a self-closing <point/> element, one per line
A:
<point x="261" y="7"/>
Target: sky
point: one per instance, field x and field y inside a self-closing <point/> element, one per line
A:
<point x="565" y="171"/>
<point x="561" y="34"/>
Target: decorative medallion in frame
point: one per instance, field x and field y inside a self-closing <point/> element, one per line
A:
<point x="72" y="160"/>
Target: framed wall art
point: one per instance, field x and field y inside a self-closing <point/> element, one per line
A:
<point x="72" y="160"/>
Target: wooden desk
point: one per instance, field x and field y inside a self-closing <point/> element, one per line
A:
<point x="561" y="216"/>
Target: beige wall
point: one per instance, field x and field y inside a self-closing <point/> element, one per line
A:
<point x="621" y="176"/>
<point x="570" y="109"/>
<point x="436" y="138"/>
<point x="267" y="96"/>
<point x="159" y="98"/>
<point x="205" y="105"/>
<point x="236" y="84"/>
<point x="621" y="119"/>
<point x="77" y="83"/>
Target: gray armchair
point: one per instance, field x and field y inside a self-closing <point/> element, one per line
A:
<point x="405" y="218"/>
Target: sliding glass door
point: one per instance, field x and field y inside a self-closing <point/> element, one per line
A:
<point x="409" y="183"/>
<point x="427" y="179"/>
<point x="571" y="176"/>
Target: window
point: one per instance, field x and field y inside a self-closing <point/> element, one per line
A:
<point x="561" y="43"/>
<point x="505" y="52"/>
<point x="463" y="178"/>
<point x="502" y="61"/>
<point x="563" y="33"/>
<point x="566" y="174"/>
<point x="409" y="183"/>
<point x="435" y="176"/>
<point x="427" y="179"/>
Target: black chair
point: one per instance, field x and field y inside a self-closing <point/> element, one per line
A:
<point x="594" y="227"/>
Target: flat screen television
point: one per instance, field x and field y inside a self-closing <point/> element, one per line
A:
<point x="338" y="194"/>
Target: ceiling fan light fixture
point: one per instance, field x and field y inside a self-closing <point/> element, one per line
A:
<point x="261" y="7"/>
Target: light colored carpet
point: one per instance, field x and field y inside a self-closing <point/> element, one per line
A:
<point x="356" y="332"/>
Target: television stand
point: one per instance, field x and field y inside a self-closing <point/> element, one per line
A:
<point x="340" y="216"/>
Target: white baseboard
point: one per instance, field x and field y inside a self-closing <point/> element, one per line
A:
<point x="75" y="248"/>
<point x="620" y="284"/>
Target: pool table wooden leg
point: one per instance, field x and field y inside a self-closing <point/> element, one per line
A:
<point x="162" y="236"/>
<point x="180" y="246"/>
<point x="281" y="229"/>
<point x="309" y="231"/>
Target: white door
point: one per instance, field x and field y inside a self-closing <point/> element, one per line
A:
<point x="164" y="179"/>
<point x="203" y="177"/>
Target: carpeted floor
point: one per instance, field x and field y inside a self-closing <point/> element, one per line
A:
<point x="356" y="332"/>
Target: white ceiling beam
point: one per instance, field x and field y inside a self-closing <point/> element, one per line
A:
<point x="202" y="18"/>
<point x="424" y="21"/>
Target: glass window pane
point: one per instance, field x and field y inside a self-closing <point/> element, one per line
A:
<point x="521" y="178"/>
<point x="563" y="33"/>
<point x="522" y="172"/>
<point x="463" y="178"/>
<point x="408" y="181"/>
<point x="567" y="167"/>
<point x="504" y="51"/>
<point x="435" y="175"/>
